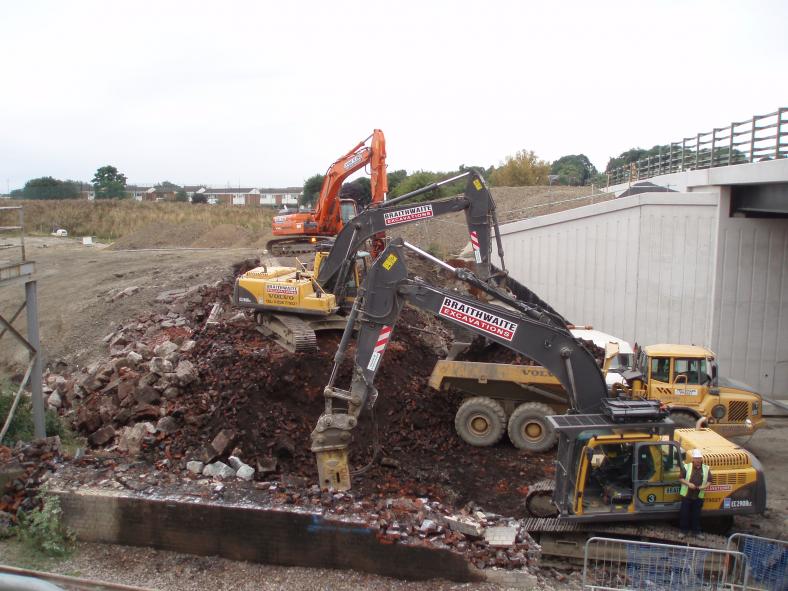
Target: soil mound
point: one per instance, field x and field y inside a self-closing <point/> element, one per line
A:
<point x="224" y="236"/>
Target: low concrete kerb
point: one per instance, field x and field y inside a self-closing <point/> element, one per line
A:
<point x="265" y="535"/>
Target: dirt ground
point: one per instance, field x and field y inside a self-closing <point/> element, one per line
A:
<point x="75" y="283"/>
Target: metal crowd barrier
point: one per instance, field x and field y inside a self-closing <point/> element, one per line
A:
<point x="767" y="560"/>
<point x="617" y="565"/>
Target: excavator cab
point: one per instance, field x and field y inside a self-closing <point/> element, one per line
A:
<point x="347" y="210"/>
<point x="615" y="468"/>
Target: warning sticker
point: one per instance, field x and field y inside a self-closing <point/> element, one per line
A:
<point x="718" y="487"/>
<point x="476" y="249"/>
<point x="389" y="262"/>
<point x="408" y="214"/>
<point x="476" y="318"/>
<point x="478" y="184"/>
<point x="380" y="347"/>
<point x="275" y="288"/>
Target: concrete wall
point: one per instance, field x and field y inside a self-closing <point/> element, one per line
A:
<point x="639" y="267"/>
<point x="750" y="324"/>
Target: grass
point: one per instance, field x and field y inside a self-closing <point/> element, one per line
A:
<point x="112" y="219"/>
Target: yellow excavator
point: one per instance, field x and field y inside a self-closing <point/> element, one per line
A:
<point x="291" y="303"/>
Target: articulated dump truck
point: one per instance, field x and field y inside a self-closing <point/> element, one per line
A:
<point x="517" y="399"/>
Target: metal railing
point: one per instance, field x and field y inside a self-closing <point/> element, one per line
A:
<point x="767" y="560"/>
<point x="612" y="565"/>
<point x="764" y="137"/>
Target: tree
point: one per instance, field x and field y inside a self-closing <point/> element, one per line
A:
<point x="109" y="183"/>
<point x="359" y="191"/>
<point x="524" y="168"/>
<point x="199" y="198"/>
<point x="181" y="195"/>
<point x="165" y="188"/>
<point x="312" y="187"/>
<point x="394" y="178"/>
<point x="47" y="187"/>
<point x="575" y="169"/>
<point x="417" y="180"/>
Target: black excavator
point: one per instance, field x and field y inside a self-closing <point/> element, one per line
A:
<point x="618" y="459"/>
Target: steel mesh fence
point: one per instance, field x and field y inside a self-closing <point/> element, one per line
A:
<point x="612" y="564"/>
<point x="767" y="560"/>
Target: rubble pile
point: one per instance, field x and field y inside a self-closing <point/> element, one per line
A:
<point x="23" y="469"/>
<point x="191" y="395"/>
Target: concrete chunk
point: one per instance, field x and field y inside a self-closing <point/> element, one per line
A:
<point x="500" y="536"/>
<point x="160" y="366"/>
<point x="245" y="472"/>
<point x="465" y="525"/>
<point x="166" y="348"/>
<point x="186" y="372"/>
<point x="195" y="467"/>
<point x="218" y="470"/>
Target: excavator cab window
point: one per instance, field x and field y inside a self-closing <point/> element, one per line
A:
<point x="690" y="371"/>
<point x="347" y="210"/>
<point x="609" y="481"/>
<point x="660" y="369"/>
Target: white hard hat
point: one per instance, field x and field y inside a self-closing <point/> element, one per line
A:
<point x="696" y="453"/>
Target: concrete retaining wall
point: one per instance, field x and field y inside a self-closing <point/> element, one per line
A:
<point x="252" y="534"/>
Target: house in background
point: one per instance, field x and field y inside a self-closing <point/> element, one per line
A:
<point x="192" y="190"/>
<point x="137" y="192"/>
<point x="278" y="198"/>
<point x="233" y="196"/>
<point x="248" y="196"/>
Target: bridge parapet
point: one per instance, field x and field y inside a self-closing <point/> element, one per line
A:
<point x="763" y="137"/>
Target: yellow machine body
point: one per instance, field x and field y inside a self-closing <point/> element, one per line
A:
<point x="682" y="377"/>
<point x="639" y="475"/>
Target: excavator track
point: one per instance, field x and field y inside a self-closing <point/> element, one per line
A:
<point x="289" y="332"/>
<point x="539" y="501"/>
<point x="567" y="538"/>
<point x="288" y="247"/>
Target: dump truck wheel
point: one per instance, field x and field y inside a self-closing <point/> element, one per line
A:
<point x="529" y="429"/>
<point x="683" y="420"/>
<point x="480" y="421"/>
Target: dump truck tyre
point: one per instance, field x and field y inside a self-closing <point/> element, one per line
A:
<point x="528" y="427"/>
<point x="480" y="421"/>
<point x="683" y="419"/>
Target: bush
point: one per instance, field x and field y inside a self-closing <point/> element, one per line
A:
<point x="43" y="531"/>
<point x="21" y="428"/>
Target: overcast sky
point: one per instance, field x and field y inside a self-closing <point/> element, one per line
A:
<point x="269" y="93"/>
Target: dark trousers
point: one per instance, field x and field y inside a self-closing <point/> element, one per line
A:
<point x="690" y="514"/>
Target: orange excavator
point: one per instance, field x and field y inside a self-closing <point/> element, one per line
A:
<point x="309" y="231"/>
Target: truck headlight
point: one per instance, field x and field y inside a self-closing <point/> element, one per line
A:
<point x="718" y="411"/>
<point x="748" y="423"/>
<point x="755" y="409"/>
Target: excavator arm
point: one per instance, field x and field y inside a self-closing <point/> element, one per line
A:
<point x="386" y="290"/>
<point x="476" y="202"/>
<point x="327" y="212"/>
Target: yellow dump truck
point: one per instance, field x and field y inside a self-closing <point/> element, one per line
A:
<point x="518" y="398"/>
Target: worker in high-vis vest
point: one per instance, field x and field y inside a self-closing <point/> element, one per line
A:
<point x="695" y="478"/>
